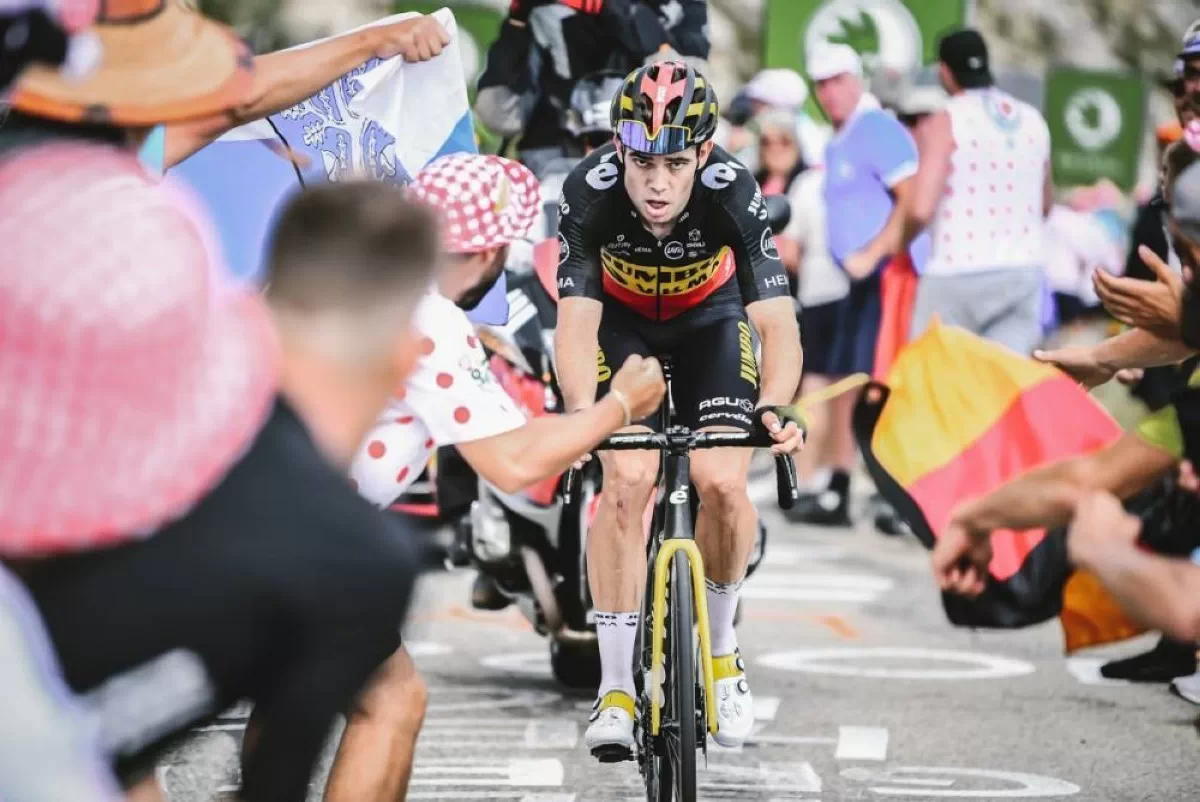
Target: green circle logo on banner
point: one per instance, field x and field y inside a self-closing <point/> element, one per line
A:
<point x="1093" y="118"/>
<point x="883" y="32"/>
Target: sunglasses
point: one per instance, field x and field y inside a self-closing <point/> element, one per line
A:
<point x="669" y="139"/>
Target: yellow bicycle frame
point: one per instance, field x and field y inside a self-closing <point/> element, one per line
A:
<point x="662" y="573"/>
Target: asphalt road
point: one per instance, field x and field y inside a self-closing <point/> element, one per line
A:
<point x="864" y="692"/>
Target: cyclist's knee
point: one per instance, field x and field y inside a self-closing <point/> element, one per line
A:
<point x="719" y="485"/>
<point x="629" y="480"/>
<point x="396" y="694"/>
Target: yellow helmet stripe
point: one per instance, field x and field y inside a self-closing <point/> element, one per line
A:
<point x="626" y="103"/>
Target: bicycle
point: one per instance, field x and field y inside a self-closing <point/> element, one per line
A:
<point x="676" y="712"/>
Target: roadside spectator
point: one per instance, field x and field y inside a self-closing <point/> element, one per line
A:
<point x="870" y="164"/>
<point x="820" y="285"/>
<point x="985" y="272"/>
<point x="784" y="90"/>
<point x="1077" y="244"/>
<point x="48" y="33"/>
<point x="779" y="157"/>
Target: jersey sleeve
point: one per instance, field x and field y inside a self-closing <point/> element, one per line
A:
<point x="452" y="389"/>
<point x="894" y="155"/>
<point x="578" y="254"/>
<point x="741" y="206"/>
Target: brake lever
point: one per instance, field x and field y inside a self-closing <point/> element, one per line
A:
<point x="570" y="481"/>
<point x="786" y="485"/>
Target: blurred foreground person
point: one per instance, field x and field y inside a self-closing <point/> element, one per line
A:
<point x="451" y="398"/>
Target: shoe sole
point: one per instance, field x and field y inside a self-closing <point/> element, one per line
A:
<point x="1185" y="697"/>
<point x="612" y="753"/>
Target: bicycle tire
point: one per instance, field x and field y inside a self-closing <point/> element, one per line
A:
<point x="680" y="725"/>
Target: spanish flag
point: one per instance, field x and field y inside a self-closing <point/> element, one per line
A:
<point x="959" y="416"/>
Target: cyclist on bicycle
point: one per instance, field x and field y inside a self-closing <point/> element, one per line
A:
<point x="666" y="250"/>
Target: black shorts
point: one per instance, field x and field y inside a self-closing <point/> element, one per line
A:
<point x="714" y="372"/>
<point x="818" y="330"/>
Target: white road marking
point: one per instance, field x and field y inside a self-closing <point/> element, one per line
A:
<point x="777" y="777"/>
<point x="424" y="648"/>
<point x="544" y="733"/>
<point x="765" y="707"/>
<point x="530" y="664"/>
<point x="488" y="698"/>
<point x="816" y="587"/>
<point x="862" y="743"/>
<point x="841" y="663"/>
<point x="1087" y="671"/>
<point x="788" y="554"/>
<point x="1031" y="786"/>
<point x="488" y="773"/>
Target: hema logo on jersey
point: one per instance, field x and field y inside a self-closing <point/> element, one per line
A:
<point x="663" y="292"/>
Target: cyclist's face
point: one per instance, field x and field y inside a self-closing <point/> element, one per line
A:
<point x="660" y="186"/>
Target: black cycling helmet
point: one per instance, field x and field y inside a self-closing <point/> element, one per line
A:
<point x="664" y="107"/>
<point x="591" y="103"/>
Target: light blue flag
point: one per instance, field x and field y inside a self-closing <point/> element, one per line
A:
<point x="384" y="120"/>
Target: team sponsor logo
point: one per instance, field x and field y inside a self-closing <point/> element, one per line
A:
<point x="667" y="280"/>
<point x="748" y="365"/>
<point x="564" y="249"/>
<point x="725" y="416"/>
<point x="674" y="250"/>
<point x="775" y="281"/>
<point x="643" y="249"/>
<point x="604" y="175"/>
<point x="478" y="370"/>
<point x="767" y="243"/>
<point x="564" y="208"/>
<point x="756" y="203"/>
<point x="725" y="401"/>
<point x="565" y="281"/>
<point x="720" y="175"/>
<point x="694" y="235"/>
<point x="603" y="371"/>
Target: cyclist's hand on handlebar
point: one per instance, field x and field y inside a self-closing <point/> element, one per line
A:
<point x="417" y="39"/>
<point x="784" y="426"/>
<point x="640" y="380"/>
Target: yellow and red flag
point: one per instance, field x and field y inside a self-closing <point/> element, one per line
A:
<point x="958" y="417"/>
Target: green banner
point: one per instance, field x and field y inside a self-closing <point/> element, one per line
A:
<point x="898" y="34"/>
<point x="1097" y="120"/>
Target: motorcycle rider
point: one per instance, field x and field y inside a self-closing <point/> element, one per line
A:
<point x="451" y="397"/>
<point x="629" y="285"/>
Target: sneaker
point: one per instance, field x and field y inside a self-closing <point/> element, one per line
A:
<point x="1166" y="661"/>
<point x="827" y="508"/>
<point x="735" y="705"/>
<point x="609" y="737"/>
<point x="1187" y="688"/>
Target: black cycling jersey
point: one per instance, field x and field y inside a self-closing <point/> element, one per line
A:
<point x="683" y="281"/>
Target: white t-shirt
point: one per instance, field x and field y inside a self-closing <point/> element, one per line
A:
<point x="821" y="280"/>
<point x="451" y="397"/>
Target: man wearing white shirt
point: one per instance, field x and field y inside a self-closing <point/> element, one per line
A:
<point x="985" y="270"/>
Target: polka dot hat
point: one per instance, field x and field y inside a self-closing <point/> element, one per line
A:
<point x="484" y="201"/>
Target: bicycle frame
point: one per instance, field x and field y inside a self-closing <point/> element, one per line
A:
<point x="678" y="536"/>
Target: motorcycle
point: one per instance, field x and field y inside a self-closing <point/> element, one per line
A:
<point x="530" y="546"/>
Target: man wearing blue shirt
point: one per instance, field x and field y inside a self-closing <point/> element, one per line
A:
<point x="870" y="163"/>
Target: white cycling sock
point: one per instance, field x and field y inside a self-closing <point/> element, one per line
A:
<point x="617" y="635"/>
<point x="722" y="604"/>
<point x="817" y="482"/>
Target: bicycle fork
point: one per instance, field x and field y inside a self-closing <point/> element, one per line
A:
<point x="663" y="563"/>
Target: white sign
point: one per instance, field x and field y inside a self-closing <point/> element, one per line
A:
<point x="899" y="36"/>
<point x="1093" y="117"/>
<point x="858" y="662"/>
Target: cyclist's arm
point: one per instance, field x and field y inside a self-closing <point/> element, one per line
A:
<point x="576" y="338"/>
<point x="764" y="287"/>
<point x="1047" y="497"/>
<point x="282" y="80"/>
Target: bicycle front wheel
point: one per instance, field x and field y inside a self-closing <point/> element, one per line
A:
<point x="679" y="725"/>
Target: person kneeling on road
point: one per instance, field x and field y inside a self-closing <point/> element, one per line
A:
<point x="451" y="398"/>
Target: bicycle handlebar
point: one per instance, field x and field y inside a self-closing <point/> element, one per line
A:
<point x="786" y="486"/>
